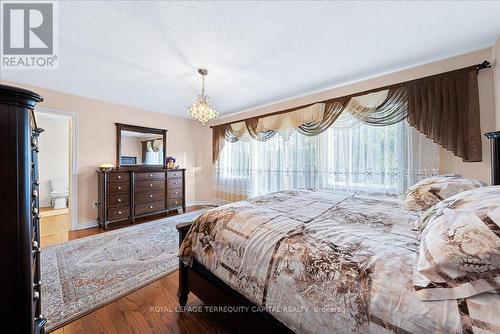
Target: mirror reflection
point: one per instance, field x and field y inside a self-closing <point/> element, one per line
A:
<point x="141" y="148"/>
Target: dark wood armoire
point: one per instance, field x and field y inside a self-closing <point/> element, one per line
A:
<point x="20" y="307"/>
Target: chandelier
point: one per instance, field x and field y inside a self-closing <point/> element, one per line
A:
<point x="201" y="109"/>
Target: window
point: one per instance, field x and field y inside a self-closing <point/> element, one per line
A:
<point x="352" y="157"/>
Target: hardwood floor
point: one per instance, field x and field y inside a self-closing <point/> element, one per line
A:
<point x="151" y="309"/>
<point x="57" y="238"/>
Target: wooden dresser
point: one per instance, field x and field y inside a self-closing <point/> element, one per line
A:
<point x="20" y="229"/>
<point x="131" y="194"/>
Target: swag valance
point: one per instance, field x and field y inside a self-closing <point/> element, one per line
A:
<point x="444" y="107"/>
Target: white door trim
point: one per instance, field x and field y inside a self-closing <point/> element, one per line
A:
<point x="73" y="203"/>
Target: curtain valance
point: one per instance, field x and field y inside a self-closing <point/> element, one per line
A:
<point x="444" y="107"/>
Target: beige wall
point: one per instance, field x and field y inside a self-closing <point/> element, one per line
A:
<point x="97" y="137"/>
<point x="204" y="175"/>
<point x="448" y="163"/>
<point x="132" y="147"/>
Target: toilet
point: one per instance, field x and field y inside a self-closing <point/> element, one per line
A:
<point x="59" y="193"/>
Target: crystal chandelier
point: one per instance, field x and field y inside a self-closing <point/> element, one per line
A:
<point x="201" y="109"/>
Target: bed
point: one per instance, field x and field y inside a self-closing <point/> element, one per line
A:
<point x="311" y="261"/>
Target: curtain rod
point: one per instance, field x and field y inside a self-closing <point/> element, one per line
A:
<point x="481" y="66"/>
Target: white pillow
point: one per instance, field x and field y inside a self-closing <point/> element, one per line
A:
<point x="459" y="252"/>
<point x="434" y="189"/>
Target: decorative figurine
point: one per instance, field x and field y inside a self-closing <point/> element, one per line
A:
<point x="170" y="162"/>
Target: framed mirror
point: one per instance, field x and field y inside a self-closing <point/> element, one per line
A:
<point x="138" y="146"/>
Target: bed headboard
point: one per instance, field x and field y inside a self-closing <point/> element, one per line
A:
<point x="495" y="156"/>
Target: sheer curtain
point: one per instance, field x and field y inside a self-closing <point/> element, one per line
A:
<point x="349" y="155"/>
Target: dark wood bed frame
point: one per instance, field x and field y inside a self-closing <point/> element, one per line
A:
<point x="213" y="291"/>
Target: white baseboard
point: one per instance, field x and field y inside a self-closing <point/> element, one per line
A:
<point x="92" y="223"/>
<point x="193" y="203"/>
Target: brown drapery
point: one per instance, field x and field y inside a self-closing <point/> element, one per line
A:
<point x="444" y="107"/>
<point x="144" y="145"/>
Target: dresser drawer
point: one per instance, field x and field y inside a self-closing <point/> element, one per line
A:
<point x="174" y="192"/>
<point x="118" y="187"/>
<point x="120" y="212"/>
<point x="174" y="175"/>
<point x="149" y="196"/>
<point x="149" y="207"/>
<point x="118" y="177"/>
<point x="147" y="185"/>
<point x="174" y="183"/>
<point x="117" y="200"/>
<point x="150" y="176"/>
<point x="174" y="202"/>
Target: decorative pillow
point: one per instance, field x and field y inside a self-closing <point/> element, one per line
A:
<point x="459" y="252"/>
<point x="434" y="189"/>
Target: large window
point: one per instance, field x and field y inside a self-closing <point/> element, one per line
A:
<point x="352" y="156"/>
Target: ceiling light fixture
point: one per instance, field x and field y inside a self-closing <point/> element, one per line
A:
<point x="201" y="109"/>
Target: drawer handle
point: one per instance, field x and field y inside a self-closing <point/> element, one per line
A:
<point x="150" y="206"/>
<point x="119" y="177"/>
<point x="35" y="245"/>
<point x="175" y="192"/>
<point x="119" y="200"/>
<point x="175" y="182"/>
<point x="119" y="188"/>
<point x="150" y="184"/>
<point x="150" y="196"/>
<point x="175" y="202"/>
<point x="150" y="175"/>
<point x="119" y="212"/>
<point x="36" y="183"/>
<point x="35" y="194"/>
<point x="36" y="295"/>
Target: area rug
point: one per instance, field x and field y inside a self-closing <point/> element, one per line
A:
<point x="84" y="274"/>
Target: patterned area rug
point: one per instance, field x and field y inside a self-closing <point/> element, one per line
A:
<point x="84" y="274"/>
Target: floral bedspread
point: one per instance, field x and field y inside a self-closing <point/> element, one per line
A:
<point x="329" y="262"/>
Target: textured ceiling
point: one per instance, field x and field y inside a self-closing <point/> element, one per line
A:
<point x="145" y="54"/>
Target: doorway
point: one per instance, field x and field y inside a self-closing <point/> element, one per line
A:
<point x="55" y="173"/>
